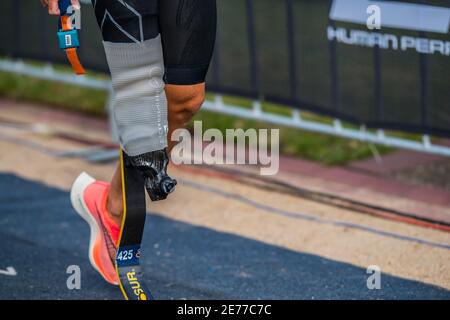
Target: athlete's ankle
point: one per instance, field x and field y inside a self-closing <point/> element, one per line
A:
<point x="116" y="217"/>
<point x="114" y="207"/>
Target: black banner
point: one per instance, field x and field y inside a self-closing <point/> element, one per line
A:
<point x="229" y="309"/>
<point x="312" y="55"/>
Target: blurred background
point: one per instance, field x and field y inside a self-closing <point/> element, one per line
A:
<point x="364" y="170"/>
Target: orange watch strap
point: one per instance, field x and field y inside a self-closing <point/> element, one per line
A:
<point x="71" y="53"/>
<point x="65" y="23"/>
<point x="74" y="61"/>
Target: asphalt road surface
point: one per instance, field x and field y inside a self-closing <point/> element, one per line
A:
<point x="41" y="235"/>
<point x="214" y="238"/>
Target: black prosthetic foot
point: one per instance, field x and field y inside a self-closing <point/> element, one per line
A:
<point x="153" y="167"/>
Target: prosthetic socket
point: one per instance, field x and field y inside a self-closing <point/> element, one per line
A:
<point x="140" y="110"/>
<point x="153" y="166"/>
<point x="140" y="105"/>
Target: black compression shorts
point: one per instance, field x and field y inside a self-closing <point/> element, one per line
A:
<point x="187" y="28"/>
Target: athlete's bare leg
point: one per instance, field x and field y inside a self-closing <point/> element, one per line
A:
<point x="187" y="47"/>
<point x="184" y="101"/>
<point x="114" y="203"/>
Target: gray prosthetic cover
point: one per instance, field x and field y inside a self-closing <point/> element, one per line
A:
<point x="140" y="105"/>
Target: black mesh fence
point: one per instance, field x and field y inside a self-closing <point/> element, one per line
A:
<point x="297" y="53"/>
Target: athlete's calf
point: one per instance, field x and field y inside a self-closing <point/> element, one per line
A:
<point x="184" y="102"/>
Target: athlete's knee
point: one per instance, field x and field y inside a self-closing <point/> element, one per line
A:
<point x="185" y="101"/>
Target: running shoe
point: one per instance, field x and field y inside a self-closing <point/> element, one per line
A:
<point x="88" y="198"/>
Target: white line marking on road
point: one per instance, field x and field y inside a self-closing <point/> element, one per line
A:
<point x="10" y="271"/>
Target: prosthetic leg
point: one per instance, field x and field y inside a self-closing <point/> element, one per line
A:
<point x="133" y="33"/>
<point x="147" y="170"/>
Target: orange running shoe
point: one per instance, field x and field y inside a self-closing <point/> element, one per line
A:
<point x="88" y="198"/>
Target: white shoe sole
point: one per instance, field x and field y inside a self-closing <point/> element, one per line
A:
<point x="76" y="197"/>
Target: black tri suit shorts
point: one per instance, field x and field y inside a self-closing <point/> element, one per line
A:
<point x="187" y="29"/>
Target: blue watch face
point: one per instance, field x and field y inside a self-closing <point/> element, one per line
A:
<point x="68" y="39"/>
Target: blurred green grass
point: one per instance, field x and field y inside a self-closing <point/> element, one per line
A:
<point x="326" y="149"/>
<point x="60" y="95"/>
